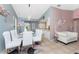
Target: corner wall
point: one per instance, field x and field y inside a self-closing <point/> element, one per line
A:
<point x="61" y="21"/>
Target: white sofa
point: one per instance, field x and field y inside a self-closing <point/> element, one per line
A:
<point x="67" y="37"/>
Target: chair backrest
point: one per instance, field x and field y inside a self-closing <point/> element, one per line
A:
<point x="14" y="34"/>
<point x="39" y="33"/>
<point x="7" y="37"/>
<point x="27" y="37"/>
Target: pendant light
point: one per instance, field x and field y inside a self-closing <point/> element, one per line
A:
<point x="29" y="5"/>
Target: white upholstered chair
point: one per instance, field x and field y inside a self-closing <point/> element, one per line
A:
<point x="9" y="42"/>
<point x="38" y="35"/>
<point x="27" y="38"/>
<point x="14" y="35"/>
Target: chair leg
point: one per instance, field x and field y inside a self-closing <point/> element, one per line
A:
<point x="19" y="49"/>
<point x="8" y="50"/>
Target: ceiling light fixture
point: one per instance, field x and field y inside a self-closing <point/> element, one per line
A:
<point x="58" y="5"/>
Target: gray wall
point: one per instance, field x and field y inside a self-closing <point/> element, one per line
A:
<point x="6" y="24"/>
<point x="48" y="14"/>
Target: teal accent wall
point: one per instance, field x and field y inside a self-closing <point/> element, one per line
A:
<point x="10" y="9"/>
<point x="6" y="24"/>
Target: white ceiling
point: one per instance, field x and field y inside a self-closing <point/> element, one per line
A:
<point x="67" y="6"/>
<point x="37" y="10"/>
